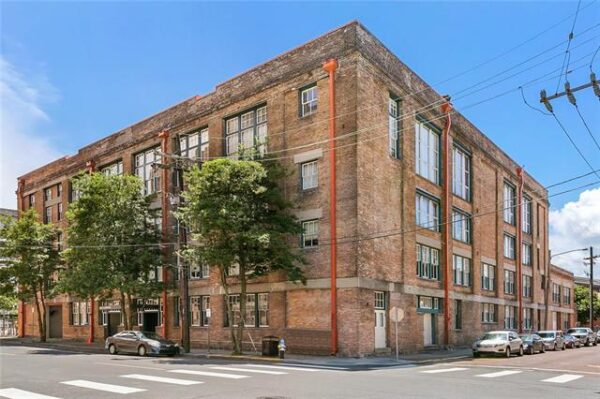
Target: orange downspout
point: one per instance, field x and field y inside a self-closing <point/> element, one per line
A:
<point x="330" y="67"/>
<point x="519" y="247"/>
<point x="164" y="136"/>
<point x="91" y="168"/>
<point x="21" y="309"/>
<point x="446" y="217"/>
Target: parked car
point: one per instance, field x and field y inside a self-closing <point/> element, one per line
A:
<point x="532" y="343"/>
<point x="585" y="335"/>
<point x="142" y="343"/>
<point x="553" y="339"/>
<point x="572" y="341"/>
<point x="502" y="343"/>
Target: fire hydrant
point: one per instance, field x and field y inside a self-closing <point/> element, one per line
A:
<point x="281" y="348"/>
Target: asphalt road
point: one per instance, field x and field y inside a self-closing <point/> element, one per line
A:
<point x="26" y="371"/>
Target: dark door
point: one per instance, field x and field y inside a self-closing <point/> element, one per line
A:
<point x="55" y="321"/>
<point x="113" y="323"/>
<point x="150" y="321"/>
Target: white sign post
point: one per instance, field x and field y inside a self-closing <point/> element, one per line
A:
<point x="208" y="314"/>
<point x="396" y="315"/>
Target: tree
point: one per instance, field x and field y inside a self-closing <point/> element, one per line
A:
<point x="582" y="303"/>
<point x="31" y="260"/>
<point x="112" y="241"/>
<point x="241" y="223"/>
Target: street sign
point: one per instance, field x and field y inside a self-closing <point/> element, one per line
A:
<point x="396" y="314"/>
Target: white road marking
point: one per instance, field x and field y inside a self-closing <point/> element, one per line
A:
<point x="153" y="378"/>
<point x="102" y="387"/>
<point x="210" y="374"/>
<point x="561" y="379"/>
<point x="499" y="373"/>
<point x="445" y="370"/>
<point x="8" y="354"/>
<point x="130" y="365"/>
<point x="14" y="393"/>
<point x="248" y="370"/>
<point x="282" y="367"/>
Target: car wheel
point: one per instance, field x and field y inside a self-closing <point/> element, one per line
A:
<point x="142" y="350"/>
<point x="112" y="349"/>
<point x="530" y="350"/>
<point x="554" y="348"/>
<point x="543" y="350"/>
<point x="476" y="354"/>
<point x="563" y="347"/>
<point x="520" y="351"/>
<point x="507" y="352"/>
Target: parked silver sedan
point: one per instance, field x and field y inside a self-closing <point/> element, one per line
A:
<point x="553" y="339"/>
<point x="502" y="343"/>
<point x="142" y="343"/>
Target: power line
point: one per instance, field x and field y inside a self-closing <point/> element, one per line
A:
<point x="567" y="56"/>
<point x="586" y="126"/>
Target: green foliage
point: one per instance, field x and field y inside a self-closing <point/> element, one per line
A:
<point x="112" y="243"/>
<point x="582" y="303"/>
<point x="237" y="216"/>
<point x="8" y="303"/>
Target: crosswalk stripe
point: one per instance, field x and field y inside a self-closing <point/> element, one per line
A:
<point x="166" y="380"/>
<point x="445" y="370"/>
<point x="102" y="387"/>
<point x="209" y="374"/>
<point x="248" y="370"/>
<point x="14" y="393"/>
<point x="561" y="379"/>
<point x="499" y="374"/>
<point x="282" y="367"/>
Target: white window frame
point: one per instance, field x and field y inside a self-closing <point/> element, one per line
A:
<point x="509" y="203"/>
<point x="488" y="277"/>
<point x="113" y="169"/>
<point x="199" y="271"/>
<point x="262" y="301"/>
<point x="509" y="282"/>
<point x="461" y="267"/>
<point x="310" y="233"/>
<point x="509" y="317"/>
<point x="526" y="215"/>
<point x="461" y="226"/>
<point x="428" y="262"/>
<point x="394" y="127"/>
<point x="527" y="282"/>
<point x="309" y="100"/>
<point x="427" y="211"/>
<point x="461" y="173"/>
<point x="143" y="169"/>
<point x="248" y="128"/>
<point x="488" y="313"/>
<point x="526" y="253"/>
<point x="379" y="302"/>
<point x="509" y="246"/>
<point x="310" y="175"/>
<point x="427" y="152"/>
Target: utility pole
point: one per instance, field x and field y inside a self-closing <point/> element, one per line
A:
<point x="545" y="99"/>
<point x="591" y="259"/>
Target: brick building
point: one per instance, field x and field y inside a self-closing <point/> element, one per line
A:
<point x="561" y="302"/>
<point x="401" y="172"/>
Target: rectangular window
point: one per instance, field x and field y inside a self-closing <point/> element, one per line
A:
<point x="308" y="100"/>
<point x="199" y="271"/>
<point x="526" y="215"/>
<point x="59" y="211"/>
<point x="527" y="318"/>
<point x="427" y="152"/>
<point x="566" y="296"/>
<point x="461" y="173"/>
<point x="310" y="175"/>
<point x="556" y="293"/>
<point x="80" y="313"/>
<point x="48" y="215"/>
<point x="427" y="211"/>
<point x="195" y="145"/>
<point x="48" y="194"/>
<point x="488" y="313"/>
<point x="527" y="284"/>
<point x="257" y="310"/>
<point x="205" y="310"/>
<point x="195" y="310"/>
<point x="310" y="236"/>
<point x="394" y="127"/>
<point x="263" y="310"/>
<point x="59" y="190"/>
<point x="488" y="277"/>
<point x="234" y="304"/>
<point x="509" y="246"/>
<point x="428" y="263"/>
<point x="526" y="254"/>
<point x="199" y="310"/>
<point x="177" y="311"/>
<point x="379" y="300"/>
<point x="509" y="203"/>
<point x="114" y="169"/>
<point x="144" y="170"/>
<point x="74" y="194"/>
<point x="31" y="200"/>
<point x="427" y="303"/>
<point x="509" y="282"/>
<point x="565" y="320"/>
<point x="457" y="315"/>
<point x="461" y="226"/>
<point x="247" y="130"/>
<point x="509" y="317"/>
<point x="462" y="270"/>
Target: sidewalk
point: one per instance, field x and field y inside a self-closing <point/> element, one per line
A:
<point x="420" y="358"/>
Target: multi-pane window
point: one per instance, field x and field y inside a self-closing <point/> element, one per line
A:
<point x="310" y="175"/>
<point x="527" y="284"/>
<point x="565" y="321"/>
<point x="200" y="310"/>
<point x="566" y="296"/>
<point x="59" y="211"/>
<point x="393" y="127"/>
<point x="308" y="100"/>
<point x="199" y="270"/>
<point x="457" y="314"/>
<point x="509" y="282"/>
<point x="488" y="313"/>
<point x="462" y="270"/>
<point x="461" y="173"/>
<point x="427" y="152"/>
<point x="31" y="200"/>
<point x="428" y="262"/>
<point x="509" y="317"/>
<point x="488" y="277"/>
<point x="263" y="309"/>
<point x="526" y="254"/>
<point x="527" y="318"/>
<point x="310" y="235"/>
<point x="48" y="194"/>
<point x="509" y="246"/>
<point x="247" y="131"/>
<point x="379" y="300"/>
<point x="114" y="169"/>
<point x="427" y="212"/>
<point x="257" y="310"/>
<point x="59" y="241"/>
<point x="80" y="312"/>
<point x="74" y="193"/>
<point x="526" y="215"/>
<point x="143" y="169"/>
<point x="59" y="190"/>
<point x="48" y="214"/>
<point x="195" y="145"/>
<point x="461" y="226"/>
<point x="195" y="310"/>
<point x="555" y="293"/>
<point x="509" y="203"/>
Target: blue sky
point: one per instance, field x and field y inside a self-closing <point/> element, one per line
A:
<point x="90" y="69"/>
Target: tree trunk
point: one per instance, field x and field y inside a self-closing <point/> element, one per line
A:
<point x="125" y="310"/>
<point x="241" y="324"/>
<point x="40" y="317"/>
<point x="225" y="285"/>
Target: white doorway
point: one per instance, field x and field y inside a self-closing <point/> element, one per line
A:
<point x="380" y="327"/>
<point x="427" y="329"/>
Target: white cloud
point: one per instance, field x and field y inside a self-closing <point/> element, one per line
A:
<point x="21" y="120"/>
<point x="576" y="225"/>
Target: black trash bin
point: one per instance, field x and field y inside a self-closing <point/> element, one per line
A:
<point x="269" y="345"/>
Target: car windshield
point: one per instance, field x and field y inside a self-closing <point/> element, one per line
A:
<point x="576" y="330"/>
<point x="150" y="335"/>
<point x="546" y="334"/>
<point x="494" y="336"/>
<point x="526" y="337"/>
